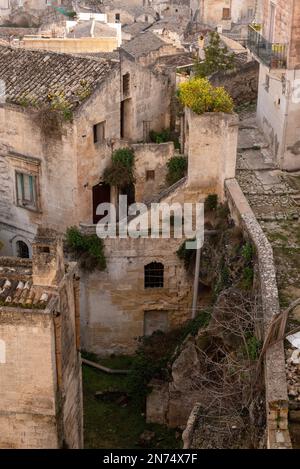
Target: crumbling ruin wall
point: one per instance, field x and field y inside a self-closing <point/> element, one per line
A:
<point x="241" y="83"/>
<point x="274" y="366"/>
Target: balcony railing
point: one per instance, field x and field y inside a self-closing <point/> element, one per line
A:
<point x="272" y="54"/>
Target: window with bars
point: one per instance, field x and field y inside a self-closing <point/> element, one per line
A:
<point x="22" y="250"/>
<point x="26" y="190"/>
<point x="154" y="275"/>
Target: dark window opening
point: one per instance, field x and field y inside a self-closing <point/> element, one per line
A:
<point x="99" y="132"/>
<point x="126" y="84"/>
<point x="22" y="250"/>
<point x="117" y="17"/>
<point x="226" y="13"/>
<point x="154" y="275"/>
<point x="129" y="191"/>
<point x="101" y="194"/>
<point x="44" y="249"/>
<point x="150" y="175"/>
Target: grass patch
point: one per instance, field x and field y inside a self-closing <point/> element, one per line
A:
<point x="109" y="425"/>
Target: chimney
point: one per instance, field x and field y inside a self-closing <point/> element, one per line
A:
<point x="48" y="266"/>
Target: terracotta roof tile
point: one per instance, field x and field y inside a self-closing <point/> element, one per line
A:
<point x="35" y="73"/>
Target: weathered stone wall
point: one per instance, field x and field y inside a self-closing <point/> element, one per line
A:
<point x="113" y="303"/>
<point x="150" y="97"/>
<point x="210" y="143"/>
<point x="211" y="11"/>
<point x="274" y="370"/>
<point x="71" y="384"/>
<point x="28" y="380"/>
<point x="241" y="84"/>
<point x="70" y="45"/>
<point x="26" y="148"/>
<point x="151" y="157"/>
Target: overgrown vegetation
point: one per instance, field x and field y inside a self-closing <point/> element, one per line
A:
<point x="111" y="422"/>
<point x="211" y="203"/>
<point x="121" y="171"/>
<point x="164" y="136"/>
<point x="88" y="249"/>
<point x="176" y="169"/>
<point x="217" y="58"/>
<point x="58" y="102"/>
<point x="156" y="353"/>
<point x="201" y="96"/>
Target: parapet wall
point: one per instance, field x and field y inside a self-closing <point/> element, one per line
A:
<point x="274" y="365"/>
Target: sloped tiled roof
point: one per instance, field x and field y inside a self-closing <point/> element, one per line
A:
<point x="135" y="28"/>
<point x="35" y="73"/>
<point x="143" y="44"/>
<point x="16" y="287"/>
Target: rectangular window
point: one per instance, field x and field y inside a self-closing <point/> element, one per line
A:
<point x="126" y="85"/>
<point x="117" y="18"/>
<point x="150" y="175"/>
<point x="99" y="132"/>
<point x="26" y="190"/>
<point x="226" y="13"/>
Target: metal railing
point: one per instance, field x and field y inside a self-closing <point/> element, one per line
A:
<point x="272" y="54"/>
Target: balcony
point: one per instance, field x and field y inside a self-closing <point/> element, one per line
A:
<point x="273" y="55"/>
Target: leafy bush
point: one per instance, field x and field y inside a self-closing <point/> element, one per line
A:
<point x="121" y="171"/>
<point x="87" y="248"/>
<point x="164" y="136"/>
<point x="177" y="168"/>
<point x="201" y="96"/>
<point x="217" y="58"/>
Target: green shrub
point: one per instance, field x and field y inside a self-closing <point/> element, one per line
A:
<point x="121" y="171"/>
<point x="88" y="249"/>
<point x="165" y="136"/>
<point x="248" y="252"/>
<point x="211" y="202"/>
<point x="200" y="96"/>
<point x="177" y="168"/>
<point x="253" y="346"/>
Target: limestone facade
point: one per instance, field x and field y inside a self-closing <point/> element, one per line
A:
<point x="40" y="367"/>
<point x="278" y="109"/>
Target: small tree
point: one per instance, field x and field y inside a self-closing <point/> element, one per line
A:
<point x="217" y="58"/>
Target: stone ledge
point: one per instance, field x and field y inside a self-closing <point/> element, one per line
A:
<point x="274" y="369"/>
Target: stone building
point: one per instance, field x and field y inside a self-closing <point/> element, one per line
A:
<point x="106" y="103"/>
<point x="146" y="286"/>
<point x="40" y="365"/>
<point x="225" y="12"/>
<point x="276" y="47"/>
